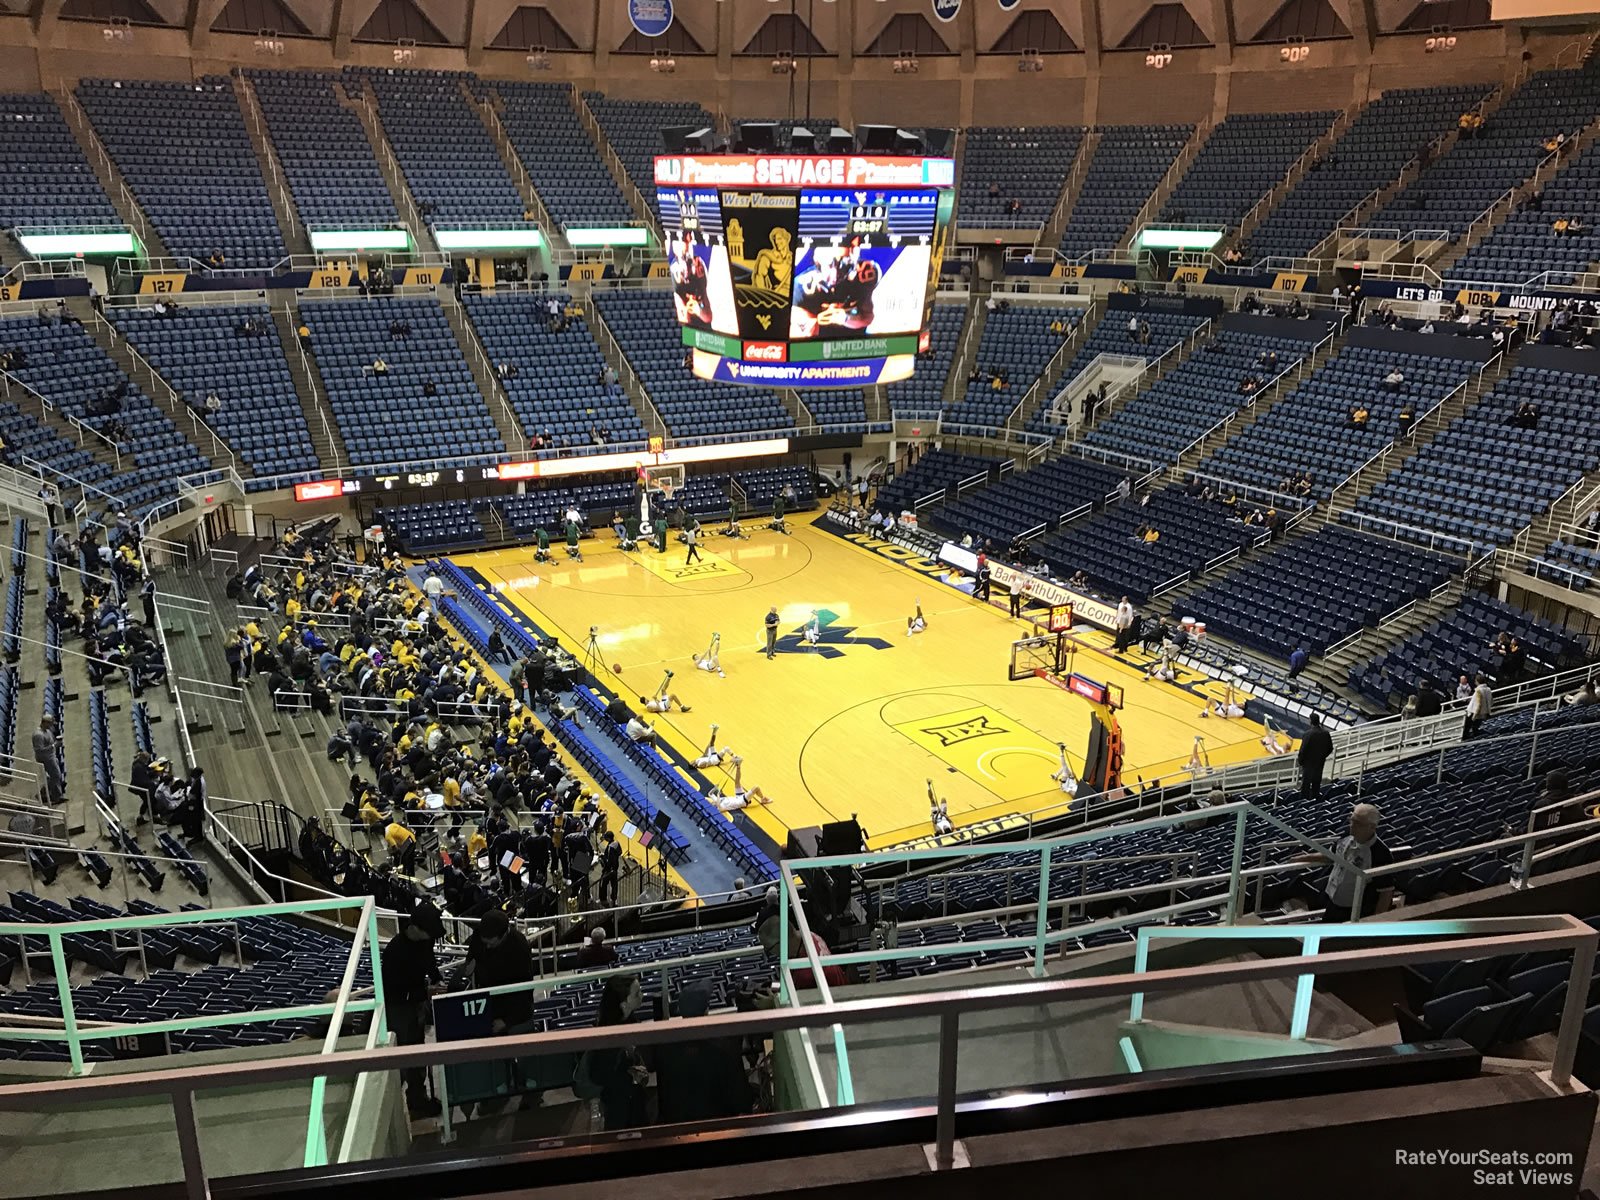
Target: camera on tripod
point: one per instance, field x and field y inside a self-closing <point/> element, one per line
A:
<point x="669" y="672"/>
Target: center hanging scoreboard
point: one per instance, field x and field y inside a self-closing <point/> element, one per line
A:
<point x="804" y="270"/>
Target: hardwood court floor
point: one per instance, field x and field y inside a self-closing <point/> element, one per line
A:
<point x="858" y="724"/>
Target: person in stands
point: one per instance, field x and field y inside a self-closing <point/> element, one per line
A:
<point x="410" y="976"/>
<point x="595" y="952"/>
<point x="1315" y="749"/>
<point x="1359" y="850"/>
<point x="498" y="955"/>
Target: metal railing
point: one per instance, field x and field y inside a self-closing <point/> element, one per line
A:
<point x="82" y="429"/>
<point x="1433" y="942"/>
<point x="175" y="404"/>
<point x="86" y="132"/>
<point x="1290" y="179"/>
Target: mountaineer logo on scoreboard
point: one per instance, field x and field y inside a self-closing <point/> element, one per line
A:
<point x="761" y="280"/>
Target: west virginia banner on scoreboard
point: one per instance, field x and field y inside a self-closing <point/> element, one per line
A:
<point x="760" y="230"/>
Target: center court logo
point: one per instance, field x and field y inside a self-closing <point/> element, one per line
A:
<point x="964" y="731"/>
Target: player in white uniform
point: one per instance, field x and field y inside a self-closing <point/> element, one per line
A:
<point x="663" y="700"/>
<point x="740" y="796"/>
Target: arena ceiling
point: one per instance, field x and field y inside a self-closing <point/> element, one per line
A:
<point x="765" y="27"/>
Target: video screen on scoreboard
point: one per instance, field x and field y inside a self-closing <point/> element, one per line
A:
<point x="697" y="259"/>
<point x="804" y="270"/>
<point x="861" y="266"/>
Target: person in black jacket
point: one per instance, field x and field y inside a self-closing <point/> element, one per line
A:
<point x="410" y="975"/>
<point x="701" y="1079"/>
<point x="497" y="955"/>
<point x="619" y="1075"/>
<point x="143" y="783"/>
<point x="1428" y="702"/>
<point x="1315" y="749"/>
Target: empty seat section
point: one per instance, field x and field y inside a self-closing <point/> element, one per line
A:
<point x="387" y="417"/>
<point x="185" y="152"/>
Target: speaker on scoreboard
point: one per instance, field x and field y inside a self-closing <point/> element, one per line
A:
<point x="875" y="138"/>
<point x="758" y="136"/>
<point x="907" y="141"/>
<point x="803" y="140"/>
<point x="686" y="139"/>
<point x="940" y="143"/>
<point x="840" y="141"/>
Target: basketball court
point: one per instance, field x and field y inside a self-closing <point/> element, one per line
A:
<point x="856" y="723"/>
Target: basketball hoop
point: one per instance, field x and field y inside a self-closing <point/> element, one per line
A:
<point x="667" y="488"/>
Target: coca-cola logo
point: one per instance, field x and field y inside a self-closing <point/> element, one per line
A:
<point x="765" y="351"/>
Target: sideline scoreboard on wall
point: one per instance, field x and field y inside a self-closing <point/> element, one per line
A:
<point x="804" y="270"/>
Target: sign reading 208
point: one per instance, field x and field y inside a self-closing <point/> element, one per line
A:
<point x="652" y="18"/>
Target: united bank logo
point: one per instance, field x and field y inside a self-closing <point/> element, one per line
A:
<point x="967" y="730"/>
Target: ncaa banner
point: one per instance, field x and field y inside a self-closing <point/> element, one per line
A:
<point x="652" y="18"/>
<point x="1008" y="5"/>
<point x="946" y="10"/>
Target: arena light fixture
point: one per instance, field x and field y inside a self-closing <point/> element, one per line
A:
<point x="619" y="235"/>
<point x="538" y="58"/>
<point x="488" y="239"/>
<point x="73" y="245"/>
<point x="785" y="64"/>
<point x="324" y="240"/>
<point x="1154" y="237"/>
<point x="907" y="64"/>
<point x="1030" y="60"/>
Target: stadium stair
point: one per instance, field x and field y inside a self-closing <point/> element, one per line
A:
<point x="1151" y="374"/>
<point x="1071" y="189"/>
<point x="488" y="109"/>
<point x="308" y="386"/>
<point x="1332" y="671"/>
<point x="28" y="402"/>
<point x="110" y="177"/>
<point x="1263" y="207"/>
<point x="1486" y="225"/>
<point x="1358" y="486"/>
<point x="289" y="222"/>
<point x="359" y="99"/>
<point x="1361" y="215"/>
<point x="159" y="390"/>
<point x="796" y="407"/>
<point x="1053" y="378"/>
<point x="1169" y="183"/>
<point x="971" y="337"/>
<point x="1248" y="416"/>
<point x="632" y="386"/>
<point x="637" y="200"/>
<point x="1052" y="381"/>
<point x="483" y="375"/>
